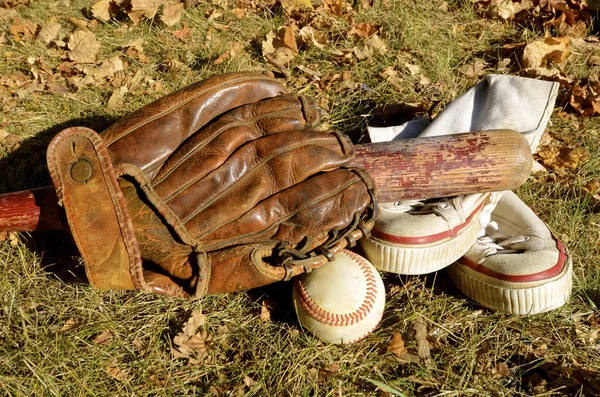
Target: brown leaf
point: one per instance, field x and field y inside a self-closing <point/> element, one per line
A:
<point x="287" y="34"/>
<point x="473" y="70"/>
<point x="182" y="33"/>
<point x="79" y="23"/>
<point x="310" y="36"/>
<point x="541" y="53"/>
<point x="48" y="32"/>
<point x="69" y="325"/>
<point x="189" y="341"/>
<point x="391" y="76"/>
<point x="239" y="12"/>
<point x="265" y="312"/>
<point x="413" y="69"/>
<point x="500" y="370"/>
<point x="84" y="47"/>
<point x="422" y="342"/>
<point x="57" y="88"/>
<point x="363" y="30"/>
<point x="396" y="345"/>
<point x="23" y="29"/>
<point x="276" y="50"/>
<point x="8" y="144"/>
<point x="105" y="338"/>
<point x="115" y="372"/>
<point x="172" y="13"/>
<point x="290" y="6"/>
<point x="585" y="99"/>
<point x="115" y="102"/>
<point x="507" y="9"/>
<point x="101" y="9"/>
<point x="143" y="9"/>
<point x="328" y="371"/>
<point x="108" y="68"/>
<point x="561" y="159"/>
<point x="197" y="319"/>
<point x="373" y="45"/>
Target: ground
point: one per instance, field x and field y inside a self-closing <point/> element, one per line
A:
<point x="67" y="63"/>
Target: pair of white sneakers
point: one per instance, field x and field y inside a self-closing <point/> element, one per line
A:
<point x="494" y="247"/>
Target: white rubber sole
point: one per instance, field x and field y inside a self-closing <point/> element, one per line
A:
<point x="514" y="297"/>
<point x="420" y="259"/>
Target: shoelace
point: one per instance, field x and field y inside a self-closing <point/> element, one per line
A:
<point x="496" y="242"/>
<point x="416" y="207"/>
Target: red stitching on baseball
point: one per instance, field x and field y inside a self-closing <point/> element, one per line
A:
<point x="334" y="319"/>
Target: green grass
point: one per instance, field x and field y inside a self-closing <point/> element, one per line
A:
<point x="40" y="289"/>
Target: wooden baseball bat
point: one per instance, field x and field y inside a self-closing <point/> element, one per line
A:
<point x="418" y="168"/>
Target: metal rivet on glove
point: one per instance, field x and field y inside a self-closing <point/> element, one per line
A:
<point x="81" y="170"/>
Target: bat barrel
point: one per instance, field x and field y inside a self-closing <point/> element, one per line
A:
<point x="449" y="165"/>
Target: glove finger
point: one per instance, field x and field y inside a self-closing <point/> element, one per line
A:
<point x="211" y="146"/>
<point x="164" y="124"/>
<point x="325" y="202"/>
<point x="254" y="172"/>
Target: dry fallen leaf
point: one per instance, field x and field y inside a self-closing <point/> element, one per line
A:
<point x="101" y="9"/>
<point x="84" y="47"/>
<point x="115" y="372"/>
<point x="328" y="371"/>
<point x="107" y="68"/>
<point x="48" y="32"/>
<point x="265" y="312"/>
<point x="280" y="48"/>
<point x="69" y="325"/>
<point x="396" y="345"/>
<point x="373" y="45"/>
<point x="105" y="338"/>
<point x="190" y="343"/>
<point x="500" y="370"/>
<point x="561" y="159"/>
<point x="422" y="342"/>
<point x="473" y="70"/>
<point x="391" y="76"/>
<point x="143" y="9"/>
<point x="541" y="53"/>
<point x="116" y="99"/>
<point x="23" y="29"/>
<point x="585" y="98"/>
<point x="363" y="30"/>
<point x="399" y="351"/>
<point x="507" y="9"/>
<point x="310" y="36"/>
<point x="413" y="69"/>
<point x="182" y="33"/>
<point x="172" y="13"/>
<point x="292" y="5"/>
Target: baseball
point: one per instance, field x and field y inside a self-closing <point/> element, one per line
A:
<point x="341" y="302"/>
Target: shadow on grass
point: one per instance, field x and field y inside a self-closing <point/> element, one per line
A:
<point x="25" y="168"/>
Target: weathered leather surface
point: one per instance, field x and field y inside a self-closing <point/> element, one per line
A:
<point x="229" y="187"/>
<point x="101" y="228"/>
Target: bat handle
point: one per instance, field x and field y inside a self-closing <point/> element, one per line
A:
<point x="31" y="210"/>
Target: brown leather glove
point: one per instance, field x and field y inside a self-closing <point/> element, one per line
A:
<point x="219" y="187"/>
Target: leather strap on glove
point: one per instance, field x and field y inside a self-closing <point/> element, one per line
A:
<point x="219" y="187"/>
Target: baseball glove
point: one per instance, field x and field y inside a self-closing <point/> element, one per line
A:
<point x="221" y="186"/>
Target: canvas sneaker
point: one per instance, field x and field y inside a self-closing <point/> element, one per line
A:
<point x="517" y="266"/>
<point x="420" y="237"/>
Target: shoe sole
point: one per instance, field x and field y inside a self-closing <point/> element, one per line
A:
<point x="421" y="259"/>
<point x="511" y="297"/>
